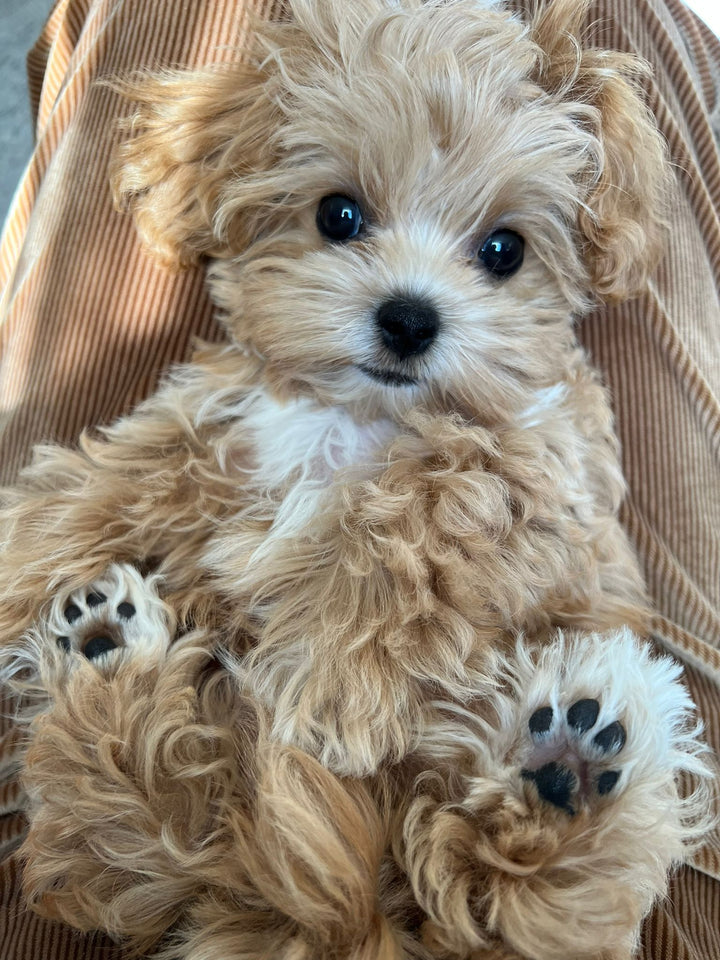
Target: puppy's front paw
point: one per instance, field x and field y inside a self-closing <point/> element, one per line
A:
<point x="574" y="754"/>
<point x="118" y="619"/>
<point x="562" y="831"/>
<point x="119" y="615"/>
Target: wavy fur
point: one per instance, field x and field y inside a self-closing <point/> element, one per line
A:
<point x="314" y="742"/>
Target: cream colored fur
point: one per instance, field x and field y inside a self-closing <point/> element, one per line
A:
<point x="350" y="596"/>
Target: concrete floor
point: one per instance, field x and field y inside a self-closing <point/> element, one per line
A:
<point x="20" y="24"/>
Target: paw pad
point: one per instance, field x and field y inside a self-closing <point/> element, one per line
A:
<point x="583" y="715"/>
<point x="541" y="721"/>
<point x="95" y="626"/>
<point x="120" y="611"/>
<point x="72" y="612"/>
<point x="555" y="784"/>
<point x="568" y="757"/>
<point x="606" y="781"/>
<point x="126" y="610"/>
<point x="611" y="739"/>
<point x="97" y="646"/>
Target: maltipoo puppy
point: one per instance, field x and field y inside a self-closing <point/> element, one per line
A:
<point x="331" y="646"/>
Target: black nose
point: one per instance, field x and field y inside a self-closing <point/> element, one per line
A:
<point x="407" y="326"/>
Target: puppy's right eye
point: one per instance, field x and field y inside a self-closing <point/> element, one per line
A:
<point x="339" y="218"/>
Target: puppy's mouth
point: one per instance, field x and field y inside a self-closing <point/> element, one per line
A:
<point x="390" y="378"/>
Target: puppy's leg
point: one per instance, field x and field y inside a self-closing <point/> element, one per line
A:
<point x="158" y="808"/>
<point x="124" y="770"/>
<point x="117" y="620"/>
<point x="561" y="832"/>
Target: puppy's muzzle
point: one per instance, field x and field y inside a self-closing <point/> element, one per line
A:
<point x="407" y="326"/>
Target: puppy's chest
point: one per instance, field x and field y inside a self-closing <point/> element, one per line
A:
<point x="299" y="446"/>
<point x="292" y="460"/>
<point x="302" y="494"/>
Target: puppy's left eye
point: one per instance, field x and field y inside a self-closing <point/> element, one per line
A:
<point x="502" y="253"/>
<point x="339" y="218"/>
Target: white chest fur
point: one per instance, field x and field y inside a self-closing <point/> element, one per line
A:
<point x="297" y="451"/>
<point x="301" y="442"/>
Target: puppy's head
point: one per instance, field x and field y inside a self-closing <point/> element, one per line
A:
<point x="406" y="201"/>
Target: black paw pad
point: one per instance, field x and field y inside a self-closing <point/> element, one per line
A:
<point x="72" y="613"/>
<point x="582" y="716"/>
<point x="606" y="781"/>
<point x="611" y="739"/>
<point x="97" y="646"/>
<point x="95" y="599"/>
<point x="541" y="721"/>
<point x="555" y="784"/>
<point x="126" y="610"/>
<point x="64" y="643"/>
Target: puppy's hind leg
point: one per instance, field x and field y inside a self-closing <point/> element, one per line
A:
<point x="161" y="813"/>
<point x="568" y="816"/>
<point x="125" y="769"/>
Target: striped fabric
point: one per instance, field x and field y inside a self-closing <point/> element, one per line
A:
<point x="89" y="321"/>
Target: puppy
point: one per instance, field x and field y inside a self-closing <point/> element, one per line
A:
<point x="331" y="646"/>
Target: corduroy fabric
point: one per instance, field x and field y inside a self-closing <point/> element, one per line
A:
<point x="88" y="321"/>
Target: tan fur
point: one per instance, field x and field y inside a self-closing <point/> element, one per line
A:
<point x="343" y="781"/>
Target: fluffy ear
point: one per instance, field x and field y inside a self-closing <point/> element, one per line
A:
<point x="191" y="133"/>
<point x="623" y="222"/>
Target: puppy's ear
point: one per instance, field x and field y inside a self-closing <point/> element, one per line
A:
<point x="191" y="133"/>
<point x="623" y="222"/>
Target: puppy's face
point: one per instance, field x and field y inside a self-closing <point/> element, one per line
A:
<point x="398" y="211"/>
<point x="420" y="243"/>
